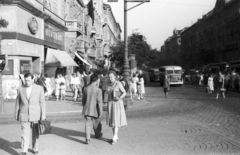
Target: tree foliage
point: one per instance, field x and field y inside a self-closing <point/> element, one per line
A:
<point x="137" y="45"/>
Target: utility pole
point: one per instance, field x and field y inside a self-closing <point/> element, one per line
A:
<point x="126" y="62"/>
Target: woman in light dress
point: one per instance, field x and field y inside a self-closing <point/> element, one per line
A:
<point x="48" y="86"/>
<point x="210" y="84"/>
<point x="60" y="87"/>
<point x="134" y="85"/>
<point x="141" y="88"/>
<point x="116" y="116"/>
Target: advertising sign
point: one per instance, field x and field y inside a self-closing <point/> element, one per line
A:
<point x="53" y="35"/>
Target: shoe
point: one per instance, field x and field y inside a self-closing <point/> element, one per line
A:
<point x="87" y="141"/>
<point x="23" y="153"/>
<point x="35" y="152"/>
<point x="99" y="136"/>
<point x="114" y="142"/>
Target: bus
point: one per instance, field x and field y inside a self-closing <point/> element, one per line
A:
<point x="174" y="73"/>
<point x="216" y="67"/>
<point x="154" y="75"/>
<point x="234" y="65"/>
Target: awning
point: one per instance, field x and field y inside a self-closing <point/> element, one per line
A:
<point x="85" y="60"/>
<point x="57" y="58"/>
<point x="82" y="58"/>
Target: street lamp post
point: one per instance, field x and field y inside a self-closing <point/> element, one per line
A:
<point x="126" y="62"/>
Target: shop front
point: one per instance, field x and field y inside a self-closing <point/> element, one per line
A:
<point x="57" y="60"/>
<point x="23" y="43"/>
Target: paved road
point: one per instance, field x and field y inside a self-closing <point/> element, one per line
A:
<point x="188" y="122"/>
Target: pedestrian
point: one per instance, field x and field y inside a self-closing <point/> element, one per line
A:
<point x="48" y="86"/>
<point x="80" y="76"/>
<point x="59" y="87"/>
<point x="135" y="83"/>
<point x="104" y="84"/>
<point x="75" y="85"/>
<point x="141" y="89"/>
<point x="125" y="84"/>
<point x="166" y="85"/>
<point x="220" y="85"/>
<point x="210" y="84"/>
<point x="116" y="116"/>
<point x="86" y="79"/>
<point x="30" y="108"/>
<point x="92" y="108"/>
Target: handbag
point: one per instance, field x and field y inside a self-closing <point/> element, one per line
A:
<point x="222" y="89"/>
<point x="44" y="127"/>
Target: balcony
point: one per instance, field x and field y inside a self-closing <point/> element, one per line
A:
<point x="99" y="36"/>
<point x="73" y="25"/>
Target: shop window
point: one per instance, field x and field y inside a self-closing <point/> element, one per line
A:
<point x="25" y="66"/>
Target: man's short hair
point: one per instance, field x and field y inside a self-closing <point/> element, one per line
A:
<point x="94" y="78"/>
<point x="28" y="75"/>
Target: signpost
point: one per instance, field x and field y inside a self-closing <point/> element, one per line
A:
<point x="126" y="62"/>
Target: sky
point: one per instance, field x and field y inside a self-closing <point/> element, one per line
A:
<point x="157" y="19"/>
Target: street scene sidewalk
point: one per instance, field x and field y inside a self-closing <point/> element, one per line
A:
<point x="54" y="109"/>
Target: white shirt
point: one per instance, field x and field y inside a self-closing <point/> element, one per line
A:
<point x="28" y="91"/>
<point x="75" y="80"/>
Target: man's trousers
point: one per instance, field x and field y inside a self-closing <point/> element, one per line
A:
<point x="95" y="123"/>
<point x="28" y="129"/>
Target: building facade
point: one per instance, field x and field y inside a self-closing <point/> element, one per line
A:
<point x="213" y="38"/>
<point x="54" y="36"/>
<point x="170" y="52"/>
<point x="91" y="32"/>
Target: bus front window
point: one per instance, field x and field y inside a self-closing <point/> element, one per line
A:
<point x="178" y="71"/>
<point x="169" y="71"/>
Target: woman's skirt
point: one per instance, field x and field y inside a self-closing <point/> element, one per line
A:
<point x="116" y="116"/>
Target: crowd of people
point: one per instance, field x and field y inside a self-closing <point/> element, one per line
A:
<point x="94" y="88"/>
<point x="218" y="81"/>
<point x="231" y="79"/>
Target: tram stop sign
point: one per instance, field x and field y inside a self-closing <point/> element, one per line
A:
<point x="2" y="62"/>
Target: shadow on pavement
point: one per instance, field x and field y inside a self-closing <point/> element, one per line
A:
<point x="67" y="133"/>
<point x="9" y="147"/>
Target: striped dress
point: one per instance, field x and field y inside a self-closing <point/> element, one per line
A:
<point x="116" y="116"/>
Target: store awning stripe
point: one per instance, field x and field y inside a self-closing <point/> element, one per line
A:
<point x="56" y="56"/>
<point x="82" y="59"/>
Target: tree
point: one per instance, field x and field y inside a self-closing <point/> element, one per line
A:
<point x="137" y="45"/>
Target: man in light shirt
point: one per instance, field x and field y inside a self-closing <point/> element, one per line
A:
<point x="75" y="83"/>
<point x="30" y="108"/>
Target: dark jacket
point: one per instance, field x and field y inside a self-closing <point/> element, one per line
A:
<point x="92" y="101"/>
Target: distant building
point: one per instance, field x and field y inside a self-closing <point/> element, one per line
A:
<point x="171" y="50"/>
<point x="213" y="38"/>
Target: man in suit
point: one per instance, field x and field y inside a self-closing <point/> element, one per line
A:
<point x="92" y="108"/>
<point x="29" y="109"/>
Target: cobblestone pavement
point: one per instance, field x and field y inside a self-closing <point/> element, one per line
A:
<point x="188" y="122"/>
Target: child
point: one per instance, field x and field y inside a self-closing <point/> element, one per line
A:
<point x="210" y="84"/>
<point x="141" y="89"/>
<point x="166" y="85"/>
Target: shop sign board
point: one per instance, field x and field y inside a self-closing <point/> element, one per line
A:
<point x="53" y="35"/>
<point x="25" y="67"/>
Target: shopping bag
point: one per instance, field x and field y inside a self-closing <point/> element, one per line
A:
<point x="44" y="127"/>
